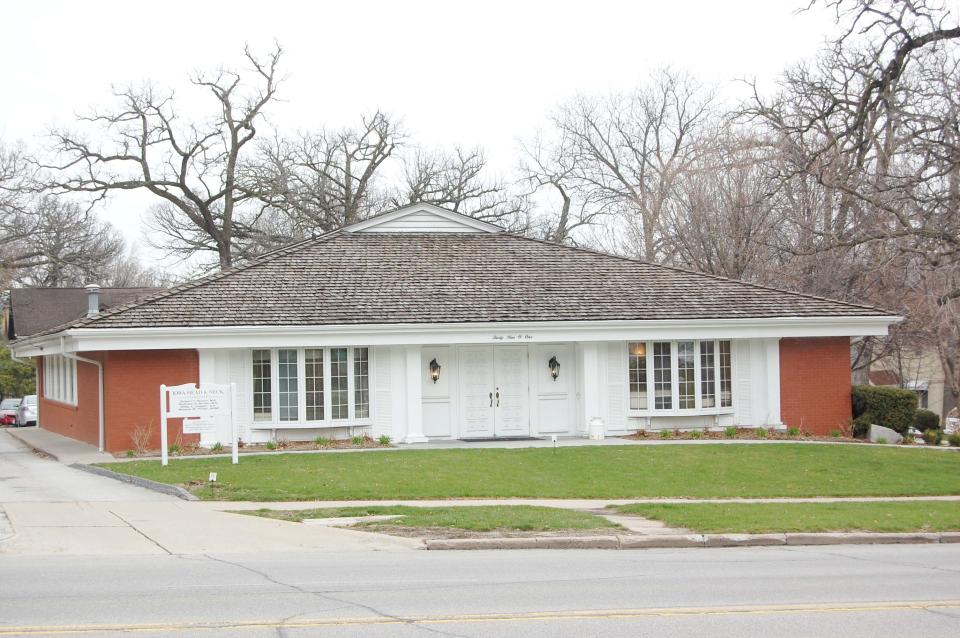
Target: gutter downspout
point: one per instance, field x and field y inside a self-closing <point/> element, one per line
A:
<point x="70" y="355"/>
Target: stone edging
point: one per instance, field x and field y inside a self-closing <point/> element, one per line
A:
<point x="163" y="488"/>
<point x="691" y="540"/>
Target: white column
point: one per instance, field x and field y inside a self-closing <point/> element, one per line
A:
<point x="414" y="395"/>
<point x="772" y="347"/>
<point x="591" y="374"/>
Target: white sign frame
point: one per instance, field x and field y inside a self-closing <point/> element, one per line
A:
<point x="227" y="408"/>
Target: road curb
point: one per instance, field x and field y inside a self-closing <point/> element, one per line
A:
<point x="163" y="488"/>
<point x="674" y="541"/>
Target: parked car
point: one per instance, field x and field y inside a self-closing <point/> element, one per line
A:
<point x="27" y="411"/>
<point x="8" y="411"/>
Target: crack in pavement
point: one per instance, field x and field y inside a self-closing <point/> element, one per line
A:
<point x="807" y="550"/>
<point x="139" y="531"/>
<point x="941" y="612"/>
<point x="327" y="597"/>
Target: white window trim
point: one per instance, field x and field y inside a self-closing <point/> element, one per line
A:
<point x="699" y="410"/>
<point x="60" y="379"/>
<point x="302" y="423"/>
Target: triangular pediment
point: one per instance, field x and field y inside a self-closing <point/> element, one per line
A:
<point x="422" y="218"/>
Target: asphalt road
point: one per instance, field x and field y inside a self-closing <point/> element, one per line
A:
<point x="805" y="591"/>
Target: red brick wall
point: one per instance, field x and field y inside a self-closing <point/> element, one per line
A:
<point x="815" y="383"/>
<point x="132" y="380"/>
<point x="76" y="421"/>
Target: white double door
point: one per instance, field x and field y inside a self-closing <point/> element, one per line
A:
<point x="495" y="391"/>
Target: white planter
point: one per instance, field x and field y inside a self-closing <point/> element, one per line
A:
<point x="596" y="429"/>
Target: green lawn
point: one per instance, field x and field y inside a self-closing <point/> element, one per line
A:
<point x="890" y="516"/>
<point x="720" y="470"/>
<point x="484" y="518"/>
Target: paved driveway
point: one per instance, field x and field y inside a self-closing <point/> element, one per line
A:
<point x="50" y="508"/>
<point x="26" y="477"/>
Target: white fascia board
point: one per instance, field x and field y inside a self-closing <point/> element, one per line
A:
<point x="49" y="345"/>
<point x="90" y="339"/>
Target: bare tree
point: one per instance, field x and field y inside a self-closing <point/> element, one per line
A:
<point x="874" y="122"/>
<point x="549" y="169"/>
<point x="69" y="246"/>
<point x="17" y="222"/>
<point x="724" y="218"/>
<point x="47" y="240"/>
<point x="458" y="181"/>
<point x="325" y="180"/>
<point x="870" y="158"/>
<point x="192" y="167"/>
<point x="629" y="150"/>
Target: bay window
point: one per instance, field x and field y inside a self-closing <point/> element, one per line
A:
<point x="662" y="376"/>
<point x="288" y="393"/>
<point x="708" y="374"/>
<point x="313" y="377"/>
<point x="339" y="405"/>
<point x="304" y="386"/>
<point x="262" y="382"/>
<point x="638" y="376"/>
<point x="686" y="373"/>
<point x="687" y="376"/>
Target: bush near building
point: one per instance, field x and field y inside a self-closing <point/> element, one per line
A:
<point x="892" y="408"/>
<point x="924" y="420"/>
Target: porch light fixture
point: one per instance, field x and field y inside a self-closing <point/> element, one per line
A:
<point x="434" y="370"/>
<point x="554" y="366"/>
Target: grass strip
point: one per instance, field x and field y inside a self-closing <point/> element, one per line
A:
<point x="758" y="518"/>
<point x="483" y="518"/>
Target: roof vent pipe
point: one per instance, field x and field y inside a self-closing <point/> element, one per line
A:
<point x="93" y="300"/>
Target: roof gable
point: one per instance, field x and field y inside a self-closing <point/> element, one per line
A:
<point x="422" y="218"/>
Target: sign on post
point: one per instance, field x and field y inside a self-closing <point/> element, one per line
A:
<point x="198" y="406"/>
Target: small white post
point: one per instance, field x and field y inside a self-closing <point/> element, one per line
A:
<point x="163" y="424"/>
<point x="233" y="424"/>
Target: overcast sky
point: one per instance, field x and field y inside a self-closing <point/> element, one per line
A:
<point x="477" y="73"/>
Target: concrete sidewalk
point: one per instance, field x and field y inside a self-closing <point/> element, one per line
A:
<point x="173" y="527"/>
<point x="47" y="507"/>
<point x="66" y="450"/>
<point x="564" y="503"/>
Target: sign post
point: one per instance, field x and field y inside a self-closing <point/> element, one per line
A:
<point x="197" y="406"/>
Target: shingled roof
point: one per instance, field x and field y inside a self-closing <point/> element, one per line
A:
<point x="418" y="278"/>
<point x="40" y="310"/>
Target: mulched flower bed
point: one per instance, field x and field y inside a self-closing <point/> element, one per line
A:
<point x="745" y="434"/>
<point x="260" y="448"/>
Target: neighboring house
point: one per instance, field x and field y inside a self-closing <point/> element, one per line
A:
<point x="33" y="310"/>
<point x="30" y="311"/>
<point x="423" y="324"/>
<point x="919" y="370"/>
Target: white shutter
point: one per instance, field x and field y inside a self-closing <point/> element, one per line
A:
<point x="382" y="398"/>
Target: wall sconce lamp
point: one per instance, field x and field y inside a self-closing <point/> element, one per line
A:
<point x="554" y="366"/>
<point x="434" y="370"/>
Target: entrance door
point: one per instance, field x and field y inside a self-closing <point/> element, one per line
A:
<point x="495" y="391"/>
<point x="476" y="390"/>
<point x="511" y="391"/>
